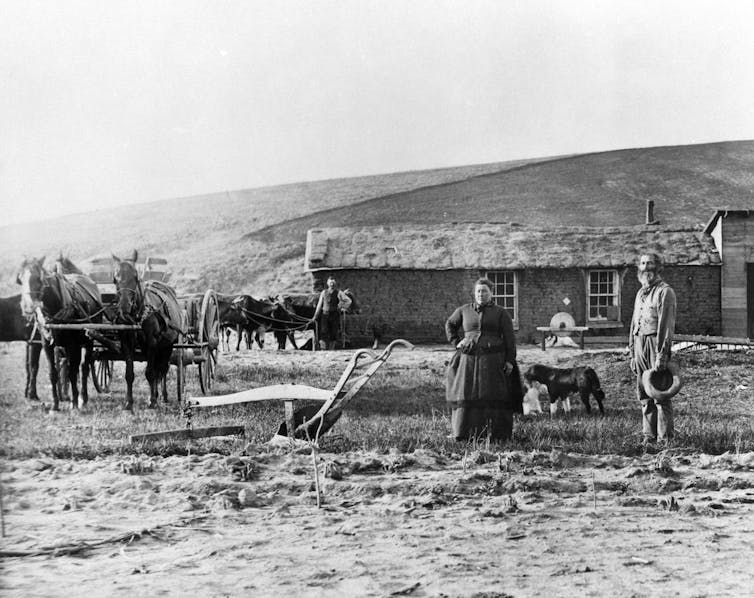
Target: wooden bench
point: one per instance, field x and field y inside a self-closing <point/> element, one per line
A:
<point x="580" y="330"/>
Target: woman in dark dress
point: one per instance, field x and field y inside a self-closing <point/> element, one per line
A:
<point x="482" y="383"/>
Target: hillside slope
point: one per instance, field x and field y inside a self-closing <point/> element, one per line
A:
<point x="254" y="240"/>
<point x="195" y="232"/>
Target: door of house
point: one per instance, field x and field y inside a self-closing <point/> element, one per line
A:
<point x="750" y="299"/>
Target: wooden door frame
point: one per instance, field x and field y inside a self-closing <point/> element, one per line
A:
<point x="750" y="299"/>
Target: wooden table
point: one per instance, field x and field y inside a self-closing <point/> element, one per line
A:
<point x="580" y="330"/>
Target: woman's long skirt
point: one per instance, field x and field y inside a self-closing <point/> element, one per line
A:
<point x="480" y="395"/>
<point x="480" y="423"/>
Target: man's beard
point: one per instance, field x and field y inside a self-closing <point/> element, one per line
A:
<point x="648" y="277"/>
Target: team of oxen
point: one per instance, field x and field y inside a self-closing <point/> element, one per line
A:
<point x="147" y="315"/>
<point x="283" y="315"/>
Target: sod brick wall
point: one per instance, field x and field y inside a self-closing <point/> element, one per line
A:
<point x="414" y="304"/>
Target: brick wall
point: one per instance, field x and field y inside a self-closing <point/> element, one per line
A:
<point x="414" y="304"/>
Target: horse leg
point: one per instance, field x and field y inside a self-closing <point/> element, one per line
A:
<point x="128" y="343"/>
<point x="164" y="366"/>
<point x="61" y="364"/>
<point x="27" y="367"/>
<point x="149" y="373"/>
<point x="52" y="366"/>
<point x="164" y="379"/>
<point x="33" y="351"/>
<point x="154" y="356"/>
<point x="74" y="361"/>
<point x="238" y="337"/>
<point x="150" y="376"/>
<point x="86" y="368"/>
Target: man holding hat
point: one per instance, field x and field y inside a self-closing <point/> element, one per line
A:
<point x="649" y="344"/>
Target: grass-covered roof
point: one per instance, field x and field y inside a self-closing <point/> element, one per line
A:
<point x="502" y="246"/>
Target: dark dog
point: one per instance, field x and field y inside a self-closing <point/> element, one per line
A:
<point x="562" y="382"/>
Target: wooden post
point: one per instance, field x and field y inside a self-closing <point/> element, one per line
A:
<point x="290" y="421"/>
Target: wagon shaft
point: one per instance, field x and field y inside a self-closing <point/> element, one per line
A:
<point x="113" y="345"/>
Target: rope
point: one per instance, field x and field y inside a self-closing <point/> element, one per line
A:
<point x="261" y="319"/>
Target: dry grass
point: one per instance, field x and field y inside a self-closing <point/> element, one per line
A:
<point x="402" y="408"/>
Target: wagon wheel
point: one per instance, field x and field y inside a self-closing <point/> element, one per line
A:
<point x="209" y="339"/>
<point x="178" y="354"/>
<point x="102" y="374"/>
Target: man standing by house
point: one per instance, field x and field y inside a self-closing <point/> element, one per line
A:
<point x="649" y="343"/>
<point x="327" y="314"/>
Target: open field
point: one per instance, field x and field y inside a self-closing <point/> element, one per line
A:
<point x="570" y="506"/>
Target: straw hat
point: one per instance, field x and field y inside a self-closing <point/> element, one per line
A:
<point x="661" y="384"/>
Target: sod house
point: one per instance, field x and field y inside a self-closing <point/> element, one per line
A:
<point x="410" y="278"/>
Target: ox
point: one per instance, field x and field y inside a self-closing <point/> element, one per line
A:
<point x="257" y="317"/>
<point x="14" y="326"/>
<point x="230" y="319"/>
<point x="561" y="383"/>
<point x="302" y="308"/>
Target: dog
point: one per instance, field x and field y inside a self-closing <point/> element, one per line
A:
<point x="561" y="383"/>
<point x="531" y="402"/>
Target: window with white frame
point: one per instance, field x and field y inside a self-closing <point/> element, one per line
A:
<point x="603" y="292"/>
<point x="505" y="291"/>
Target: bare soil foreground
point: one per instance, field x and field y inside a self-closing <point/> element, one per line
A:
<point x="473" y="523"/>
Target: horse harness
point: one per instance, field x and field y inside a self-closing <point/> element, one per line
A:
<point x="145" y="309"/>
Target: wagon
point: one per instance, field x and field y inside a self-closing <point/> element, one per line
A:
<point x="198" y="341"/>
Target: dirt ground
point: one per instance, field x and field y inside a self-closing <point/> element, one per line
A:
<point x="419" y="524"/>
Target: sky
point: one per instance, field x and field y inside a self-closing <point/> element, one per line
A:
<point x="106" y="103"/>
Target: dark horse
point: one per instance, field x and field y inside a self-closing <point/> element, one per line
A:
<point x="154" y="306"/>
<point x="14" y="326"/>
<point x="55" y="298"/>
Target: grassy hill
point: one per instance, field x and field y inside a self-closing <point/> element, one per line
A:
<point x="253" y="240"/>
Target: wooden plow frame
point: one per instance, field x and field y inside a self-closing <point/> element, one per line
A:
<point x="332" y="400"/>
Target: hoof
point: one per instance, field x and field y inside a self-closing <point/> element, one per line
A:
<point x="152" y="405"/>
<point x="129" y="408"/>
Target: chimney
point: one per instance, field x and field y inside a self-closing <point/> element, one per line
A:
<point x="651" y="212"/>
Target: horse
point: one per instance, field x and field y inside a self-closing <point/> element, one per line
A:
<point x="154" y="306"/>
<point x="14" y="326"/>
<point x="53" y="297"/>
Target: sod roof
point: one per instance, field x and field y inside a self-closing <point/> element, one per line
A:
<point x="502" y="246"/>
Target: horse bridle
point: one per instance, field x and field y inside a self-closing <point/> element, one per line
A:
<point x="137" y="301"/>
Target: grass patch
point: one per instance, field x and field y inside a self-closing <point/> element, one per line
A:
<point x="402" y="407"/>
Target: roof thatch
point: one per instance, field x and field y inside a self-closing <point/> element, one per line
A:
<point x="502" y="246"/>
